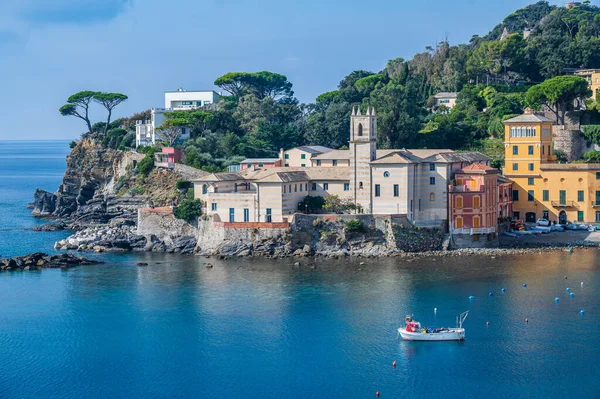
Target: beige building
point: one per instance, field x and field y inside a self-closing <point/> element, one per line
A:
<point x="408" y="182"/>
<point x="302" y="156"/>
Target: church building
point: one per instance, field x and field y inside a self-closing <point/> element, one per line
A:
<point x="387" y="182"/>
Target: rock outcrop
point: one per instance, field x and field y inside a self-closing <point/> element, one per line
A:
<point x="121" y="236"/>
<point x="101" y="184"/>
<point x="87" y="193"/>
<point x="50" y="227"/>
<point x="39" y="260"/>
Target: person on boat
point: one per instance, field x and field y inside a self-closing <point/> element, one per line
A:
<point x="411" y="326"/>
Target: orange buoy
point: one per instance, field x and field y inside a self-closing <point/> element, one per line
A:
<point x="377" y="394"/>
<point x="527" y="320"/>
<point x="394" y="364"/>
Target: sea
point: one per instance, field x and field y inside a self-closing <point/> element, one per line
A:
<point x="256" y="328"/>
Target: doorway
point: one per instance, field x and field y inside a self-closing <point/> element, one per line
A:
<point x="562" y="217"/>
<point x="530" y="217"/>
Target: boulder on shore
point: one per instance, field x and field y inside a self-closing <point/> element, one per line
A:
<point x="40" y="260"/>
<point x="50" y="227"/>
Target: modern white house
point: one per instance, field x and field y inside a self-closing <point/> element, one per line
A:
<point x="180" y="100"/>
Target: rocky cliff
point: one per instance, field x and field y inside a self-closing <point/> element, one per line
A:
<point x="101" y="184"/>
<point x="87" y="193"/>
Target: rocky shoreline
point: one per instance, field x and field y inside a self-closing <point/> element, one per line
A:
<point x="39" y="261"/>
<point x="121" y="236"/>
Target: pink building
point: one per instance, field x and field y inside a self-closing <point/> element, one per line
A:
<point x="167" y="157"/>
<point x="473" y="205"/>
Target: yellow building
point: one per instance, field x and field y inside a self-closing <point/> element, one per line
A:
<point x="541" y="187"/>
<point x="592" y="76"/>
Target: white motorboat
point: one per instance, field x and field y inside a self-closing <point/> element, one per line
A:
<point x="413" y="331"/>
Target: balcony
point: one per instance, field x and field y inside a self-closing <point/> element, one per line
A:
<point x="564" y="204"/>
<point x="479" y="230"/>
<point x="462" y="188"/>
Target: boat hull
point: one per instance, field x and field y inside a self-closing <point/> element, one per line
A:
<point x="452" y="334"/>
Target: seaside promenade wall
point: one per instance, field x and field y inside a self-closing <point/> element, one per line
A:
<point x="318" y="234"/>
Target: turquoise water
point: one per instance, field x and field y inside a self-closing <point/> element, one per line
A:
<point x="267" y="329"/>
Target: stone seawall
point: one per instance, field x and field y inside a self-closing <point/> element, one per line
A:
<point x="326" y="235"/>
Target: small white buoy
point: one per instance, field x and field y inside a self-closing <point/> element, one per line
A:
<point x="581" y="311"/>
<point x="556" y="299"/>
<point x="471" y="297"/>
<point x="571" y="295"/>
<point x="524" y="285"/>
<point x="568" y="289"/>
<point x="434" y="310"/>
<point x="582" y="283"/>
<point x="503" y="289"/>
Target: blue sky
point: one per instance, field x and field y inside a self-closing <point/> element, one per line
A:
<point x="50" y="49"/>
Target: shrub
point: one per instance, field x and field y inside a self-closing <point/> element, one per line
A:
<point x="354" y="226"/>
<point x="318" y="223"/>
<point x="188" y="210"/>
<point x="182" y="185"/>
<point x="311" y="204"/>
<point x="72" y="144"/>
<point x="592" y="156"/>
<point x="334" y="203"/>
<point x="136" y="191"/>
<point x="145" y="166"/>
<point x="561" y="156"/>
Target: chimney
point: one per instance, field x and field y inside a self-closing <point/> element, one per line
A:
<point x="528" y="111"/>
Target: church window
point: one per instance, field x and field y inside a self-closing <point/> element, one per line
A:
<point x="386" y="174"/>
<point x="360" y="129"/>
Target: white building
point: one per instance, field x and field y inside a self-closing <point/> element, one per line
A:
<point x="180" y="100"/>
<point x="447" y="99"/>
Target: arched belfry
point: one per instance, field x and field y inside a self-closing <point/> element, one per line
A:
<point x="363" y="150"/>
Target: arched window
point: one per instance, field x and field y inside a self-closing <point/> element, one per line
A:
<point x="205" y="189"/>
<point x="360" y="129"/>
<point x="386" y="174"/>
<point x="360" y="185"/>
<point x="431" y="196"/>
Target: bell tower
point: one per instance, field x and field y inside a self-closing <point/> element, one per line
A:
<point x="363" y="147"/>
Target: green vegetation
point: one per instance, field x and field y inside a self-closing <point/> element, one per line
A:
<point x="183" y="185"/>
<point x="335" y="204"/>
<point x="72" y="144"/>
<point x="78" y="105"/>
<point x="592" y="156"/>
<point x="558" y="94"/>
<point x="311" y="204"/>
<point x="354" y="226"/>
<point x="189" y="210"/>
<point x="592" y="133"/>
<point x="145" y="166"/>
<point x="520" y="63"/>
